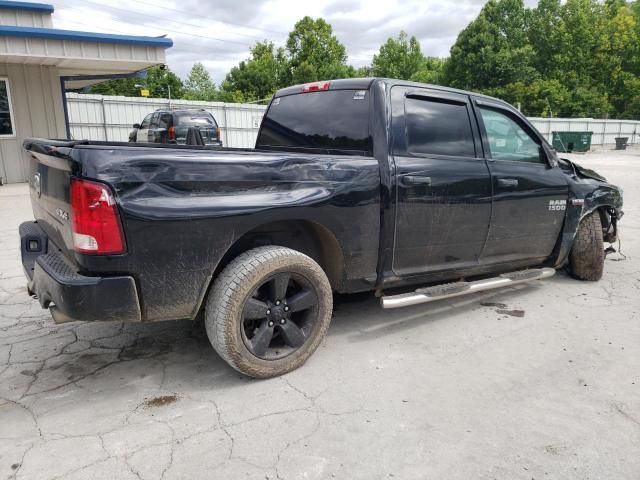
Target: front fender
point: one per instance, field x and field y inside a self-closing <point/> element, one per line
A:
<point x="584" y="199"/>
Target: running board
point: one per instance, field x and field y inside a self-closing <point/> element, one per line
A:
<point x="448" y="290"/>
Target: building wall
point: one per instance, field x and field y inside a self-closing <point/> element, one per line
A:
<point x="37" y="106"/>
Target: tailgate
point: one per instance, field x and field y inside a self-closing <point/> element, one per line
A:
<point x="50" y="171"/>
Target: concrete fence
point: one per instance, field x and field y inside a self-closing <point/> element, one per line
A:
<point x="99" y="117"/>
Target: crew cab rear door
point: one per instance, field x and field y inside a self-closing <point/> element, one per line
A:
<point x="529" y="194"/>
<point x="443" y="186"/>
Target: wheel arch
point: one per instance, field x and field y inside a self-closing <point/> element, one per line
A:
<point x="308" y="237"/>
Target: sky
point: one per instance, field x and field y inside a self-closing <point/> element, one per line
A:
<point x="219" y="33"/>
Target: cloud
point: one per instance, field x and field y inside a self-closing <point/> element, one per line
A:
<point x="219" y="34"/>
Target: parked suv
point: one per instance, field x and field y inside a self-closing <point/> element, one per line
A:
<point x="173" y="126"/>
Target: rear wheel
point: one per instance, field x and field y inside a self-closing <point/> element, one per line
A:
<point x="586" y="260"/>
<point x="268" y="311"/>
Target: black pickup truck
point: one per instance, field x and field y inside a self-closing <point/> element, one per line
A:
<point x="354" y="185"/>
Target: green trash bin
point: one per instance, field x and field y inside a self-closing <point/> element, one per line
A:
<point x="572" y="141"/>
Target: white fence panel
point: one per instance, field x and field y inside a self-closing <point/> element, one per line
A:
<point x="101" y="117"/>
<point x="604" y="131"/>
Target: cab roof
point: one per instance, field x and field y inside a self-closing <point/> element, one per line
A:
<point x="366" y="83"/>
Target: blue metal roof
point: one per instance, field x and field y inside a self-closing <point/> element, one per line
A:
<point x="56" y="34"/>
<point x="38" y="7"/>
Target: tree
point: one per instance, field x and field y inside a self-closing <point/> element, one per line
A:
<point x="546" y="31"/>
<point x="493" y="50"/>
<point x="540" y="98"/>
<point x="314" y="53"/>
<point x="198" y="85"/>
<point x="120" y="86"/>
<point x="160" y="80"/>
<point x="257" y="77"/>
<point x="399" y="57"/>
<point x="431" y="70"/>
<point x="156" y="80"/>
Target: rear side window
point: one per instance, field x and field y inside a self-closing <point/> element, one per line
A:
<point x="438" y="128"/>
<point x="165" y="120"/>
<point x="320" y="121"/>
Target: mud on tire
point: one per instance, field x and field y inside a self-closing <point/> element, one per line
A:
<point x="586" y="260"/>
<point x="252" y="283"/>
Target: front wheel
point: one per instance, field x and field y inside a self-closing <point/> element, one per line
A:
<point x="268" y="311"/>
<point x="586" y="260"/>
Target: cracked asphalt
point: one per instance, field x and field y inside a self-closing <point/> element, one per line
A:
<point x="534" y="382"/>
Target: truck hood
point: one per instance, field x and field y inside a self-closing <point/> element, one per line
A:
<point x="582" y="171"/>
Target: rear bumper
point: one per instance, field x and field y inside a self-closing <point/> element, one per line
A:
<point x="68" y="295"/>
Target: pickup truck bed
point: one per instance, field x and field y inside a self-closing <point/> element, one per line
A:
<point x="354" y="185"/>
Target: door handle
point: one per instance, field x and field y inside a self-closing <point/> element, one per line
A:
<point x="416" y="180"/>
<point x="507" y="182"/>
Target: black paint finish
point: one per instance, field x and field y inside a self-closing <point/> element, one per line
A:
<point x="375" y="219"/>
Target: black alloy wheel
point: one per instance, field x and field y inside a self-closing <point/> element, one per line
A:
<point x="280" y="316"/>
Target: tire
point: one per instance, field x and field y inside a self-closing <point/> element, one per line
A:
<point x="254" y="278"/>
<point x="586" y="260"/>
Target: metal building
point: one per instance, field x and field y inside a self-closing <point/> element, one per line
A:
<point x="38" y="63"/>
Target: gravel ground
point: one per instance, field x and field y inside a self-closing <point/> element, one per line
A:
<point x="539" y="381"/>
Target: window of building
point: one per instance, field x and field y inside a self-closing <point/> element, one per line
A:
<point x="7" y="128"/>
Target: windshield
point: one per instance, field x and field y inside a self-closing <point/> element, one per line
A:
<point x="328" y="120"/>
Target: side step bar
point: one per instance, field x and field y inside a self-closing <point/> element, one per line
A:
<point x="448" y="290"/>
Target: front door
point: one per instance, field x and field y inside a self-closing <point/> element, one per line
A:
<point x="530" y="195"/>
<point x="443" y="186"/>
<point x="142" y="135"/>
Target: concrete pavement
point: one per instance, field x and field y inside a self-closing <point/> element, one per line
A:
<point x="538" y="381"/>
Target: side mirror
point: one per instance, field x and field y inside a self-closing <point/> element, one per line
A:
<point x="136" y="125"/>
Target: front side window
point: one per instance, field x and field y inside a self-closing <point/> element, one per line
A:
<point x="507" y="139"/>
<point x="6" y="113"/>
<point x="147" y="121"/>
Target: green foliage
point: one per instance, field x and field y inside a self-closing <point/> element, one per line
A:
<point x="493" y="50"/>
<point x="198" y="85"/>
<point x="257" y="77"/>
<point x="399" y="57"/>
<point x="314" y="53"/>
<point x="560" y="58"/>
<point x="577" y="58"/>
<point x="157" y="81"/>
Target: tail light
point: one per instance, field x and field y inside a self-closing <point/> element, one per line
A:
<point x="171" y="133"/>
<point x="316" y="87"/>
<point x="218" y="132"/>
<point x="94" y="218"/>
